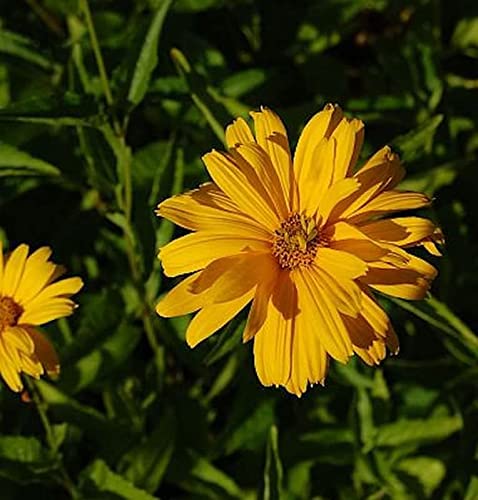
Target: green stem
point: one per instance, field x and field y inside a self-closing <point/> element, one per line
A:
<point x="41" y="407"/>
<point x="97" y="51"/>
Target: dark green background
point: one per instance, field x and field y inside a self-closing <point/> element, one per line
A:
<point x="138" y="415"/>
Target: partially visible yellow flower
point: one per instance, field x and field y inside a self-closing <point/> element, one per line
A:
<point x="305" y="239"/>
<point x="30" y="296"/>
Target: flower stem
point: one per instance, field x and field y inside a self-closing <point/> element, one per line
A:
<point x="97" y="51"/>
<point x="41" y="407"/>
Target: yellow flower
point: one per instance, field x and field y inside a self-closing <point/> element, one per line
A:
<point x="30" y="296"/>
<point x="304" y="239"/>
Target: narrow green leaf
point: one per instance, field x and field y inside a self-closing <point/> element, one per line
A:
<point x="146" y="463"/>
<point x="429" y="471"/>
<point x="13" y="161"/>
<point x="417" y="431"/>
<point x="200" y="94"/>
<point x="412" y="144"/>
<point x="148" y="57"/>
<point x="273" y="469"/>
<point x="66" y="109"/>
<point x="472" y="490"/>
<point x="23" y="48"/>
<point x="99" y="478"/>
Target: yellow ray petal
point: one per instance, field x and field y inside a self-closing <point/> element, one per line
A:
<point x="212" y="317"/>
<point x="231" y="277"/>
<point x="54" y="309"/>
<point x="348" y="238"/>
<point x="37" y="273"/>
<point x="344" y="293"/>
<point x="209" y="209"/>
<point x="331" y="329"/>
<point x="180" y="300"/>
<point x="62" y="288"/>
<point x="19" y="339"/>
<point x="243" y="187"/>
<point x="14" y="270"/>
<point x="344" y="265"/>
<point x="309" y="358"/>
<point x="8" y="370"/>
<point x="319" y="126"/>
<point x="1" y="265"/>
<point x="273" y="341"/>
<point x="262" y="296"/>
<point x="317" y="181"/>
<point x="238" y="132"/>
<point x="252" y="156"/>
<point x="45" y="352"/>
<point x="31" y="366"/>
<point x="390" y="201"/>
<point x="382" y="171"/>
<point x="401" y="231"/>
<point x="271" y="135"/>
<point x="195" y="251"/>
<point x="334" y="195"/>
<point x="349" y="135"/>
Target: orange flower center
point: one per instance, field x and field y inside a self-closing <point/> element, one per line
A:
<point x="295" y="242"/>
<point x="10" y="311"/>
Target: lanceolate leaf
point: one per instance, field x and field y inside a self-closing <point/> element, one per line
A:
<point x="13" y="161"/>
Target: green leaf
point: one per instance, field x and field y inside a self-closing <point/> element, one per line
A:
<point x="472" y="490"/>
<point x="66" y="109"/>
<point x="23" y="48"/>
<point x="103" y="360"/>
<point x="148" y="56"/>
<point x="417" y="431"/>
<point x="146" y="463"/>
<point x="13" y="161"/>
<point x="228" y="339"/>
<point x="273" y="474"/>
<point x="465" y="35"/>
<point x="413" y="144"/>
<point x="99" y="478"/>
<point x="200" y="92"/>
<point x="430" y="472"/>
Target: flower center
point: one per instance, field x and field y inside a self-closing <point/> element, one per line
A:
<point x="295" y="242"/>
<point x="10" y="311"/>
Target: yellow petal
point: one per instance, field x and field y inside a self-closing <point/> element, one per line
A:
<point x="54" y="309"/>
<point x="401" y="231"/>
<point x="273" y="341"/>
<point x="349" y="135"/>
<point x="8" y="370"/>
<point x="334" y="195"/>
<point x="238" y="132"/>
<point x="19" y="339"/>
<point x="243" y="187"/>
<point x="62" y="288"/>
<point x="348" y="238"/>
<point x="180" y="300"/>
<point x="254" y="157"/>
<point x="382" y="171"/>
<point x="309" y="358"/>
<point x="14" y="270"/>
<point x="390" y="201"/>
<point x="195" y="251"/>
<point x="344" y="265"/>
<point x="329" y="324"/>
<point x="271" y="135"/>
<point x="38" y="271"/>
<point x="1" y="265"/>
<point x="209" y="209"/>
<point x="319" y="126"/>
<point x="262" y="296"/>
<point x="231" y="277"/>
<point x="344" y="293"/>
<point x="317" y="181"/>
<point x="212" y="317"/>
<point x="31" y="366"/>
<point x="45" y="352"/>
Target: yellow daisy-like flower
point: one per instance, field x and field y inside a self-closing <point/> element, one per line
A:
<point x="304" y="239"/>
<point x="30" y="296"/>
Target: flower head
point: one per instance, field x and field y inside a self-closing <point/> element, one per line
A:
<point x="30" y="296"/>
<point x="306" y="239"/>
